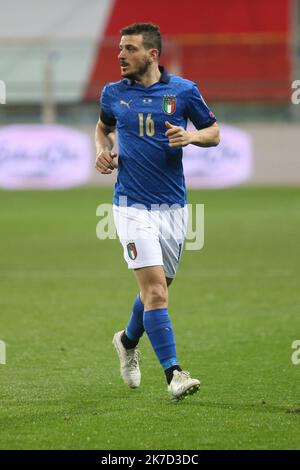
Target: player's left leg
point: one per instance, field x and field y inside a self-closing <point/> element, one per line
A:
<point x="153" y="286"/>
<point x="157" y="323"/>
<point x="135" y="326"/>
<point x="173" y="225"/>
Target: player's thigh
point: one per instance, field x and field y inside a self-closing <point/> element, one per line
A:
<point x="149" y="276"/>
<point x="168" y="281"/>
<point x="152" y="282"/>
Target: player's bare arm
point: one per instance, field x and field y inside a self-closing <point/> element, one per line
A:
<point x="179" y="137"/>
<point x="105" y="156"/>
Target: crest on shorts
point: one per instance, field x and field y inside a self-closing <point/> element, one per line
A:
<point x="169" y="104"/>
<point x="132" y="252"/>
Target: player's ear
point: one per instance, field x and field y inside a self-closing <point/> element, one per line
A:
<point x="154" y="54"/>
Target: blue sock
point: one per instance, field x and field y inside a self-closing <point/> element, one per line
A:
<point x="135" y="326"/>
<point x="158" y="327"/>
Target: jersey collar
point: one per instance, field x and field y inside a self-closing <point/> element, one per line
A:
<point x="164" y="78"/>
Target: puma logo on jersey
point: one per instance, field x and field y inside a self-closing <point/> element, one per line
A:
<point x="126" y="104"/>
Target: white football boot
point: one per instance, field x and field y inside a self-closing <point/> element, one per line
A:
<point x="182" y="385"/>
<point x="129" y="362"/>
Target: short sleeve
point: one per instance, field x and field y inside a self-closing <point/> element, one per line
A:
<point x="106" y="114"/>
<point x="197" y="110"/>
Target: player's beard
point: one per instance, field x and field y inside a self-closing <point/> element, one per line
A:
<point x="140" y="72"/>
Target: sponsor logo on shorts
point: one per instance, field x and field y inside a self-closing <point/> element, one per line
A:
<point x="132" y="251"/>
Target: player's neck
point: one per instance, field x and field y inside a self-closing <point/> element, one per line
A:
<point x="150" y="77"/>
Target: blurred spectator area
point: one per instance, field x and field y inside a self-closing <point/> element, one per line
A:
<point x="55" y="57"/>
<point x="238" y="52"/>
<point x="227" y="67"/>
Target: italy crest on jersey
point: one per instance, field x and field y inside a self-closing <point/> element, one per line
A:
<point x="169" y="104"/>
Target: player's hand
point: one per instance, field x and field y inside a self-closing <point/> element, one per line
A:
<point x="178" y="136"/>
<point x="105" y="162"/>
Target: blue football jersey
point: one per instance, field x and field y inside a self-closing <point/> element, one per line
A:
<point x="149" y="171"/>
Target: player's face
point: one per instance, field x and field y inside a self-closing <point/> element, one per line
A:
<point x="134" y="59"/>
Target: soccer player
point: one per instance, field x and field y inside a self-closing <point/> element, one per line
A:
<point x="149" y="108"/>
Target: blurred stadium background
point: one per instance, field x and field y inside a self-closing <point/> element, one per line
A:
<point x="55" y="61"/>
<point x="58" y="302"/>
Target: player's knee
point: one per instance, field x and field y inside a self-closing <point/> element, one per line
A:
<point x="156" y="295"/>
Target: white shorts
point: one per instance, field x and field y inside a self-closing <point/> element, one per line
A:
<point x="152" y="237"/>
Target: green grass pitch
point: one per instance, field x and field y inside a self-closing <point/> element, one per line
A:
<point x="234" y="308"/>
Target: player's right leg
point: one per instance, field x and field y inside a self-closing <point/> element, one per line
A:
<point x="141" y="247"/>
<point x="125" y="343"/>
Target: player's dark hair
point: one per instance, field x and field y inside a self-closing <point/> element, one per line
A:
<point x="150" y="32"/>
